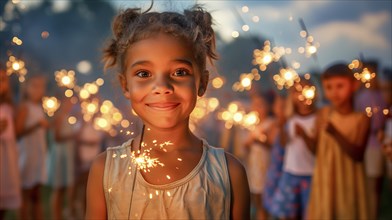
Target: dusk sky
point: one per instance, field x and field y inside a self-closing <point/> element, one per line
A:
<point x="344" y="29"/>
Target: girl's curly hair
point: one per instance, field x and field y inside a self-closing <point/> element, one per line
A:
<point x="132" y="25"/>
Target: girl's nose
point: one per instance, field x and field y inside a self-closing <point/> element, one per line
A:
<point x="162" y="85"/>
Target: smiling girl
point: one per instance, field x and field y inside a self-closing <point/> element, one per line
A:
<point x="162" y="63"/>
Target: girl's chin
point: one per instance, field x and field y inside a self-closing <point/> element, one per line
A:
<point x="162" y="124"/>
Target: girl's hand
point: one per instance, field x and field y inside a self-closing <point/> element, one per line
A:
<point x="3" y="125"/>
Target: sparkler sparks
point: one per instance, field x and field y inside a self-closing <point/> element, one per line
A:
<point x="361" y="73"/>
<point x="236" y="116"/>
<point x="65" y="78"/>
<point x="50" y="105"/>
<point x="17" y="67"/>
<point x="265" y="56"/>
<point x="308" y="93"/>
<point x="143" y="160"/>
<point x="286" y="78"/>
<point x="245" y="82"/>
<point x="365" y="76"/>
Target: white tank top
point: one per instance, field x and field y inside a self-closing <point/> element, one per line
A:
<point x="298" y="160"/>
<point x="203" y="194"/>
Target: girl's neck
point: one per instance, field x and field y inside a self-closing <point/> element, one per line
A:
<point x="179" y="138"/>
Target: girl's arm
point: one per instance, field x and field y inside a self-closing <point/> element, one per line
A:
<point x="357" y="149"/>
<point x="240" y="195"/>
<point x="95" y="197"/>
<point x="21" y="120"/>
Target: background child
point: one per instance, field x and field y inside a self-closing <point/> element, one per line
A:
<point x="89" y="145"/>
<point x="162" y="60"/>
<point x="275" y="167"/>
<point x="338" y="187"/>
<point x="10" y="193"/>
<point x="291" y="198"/>
<point x="62" y="160"/>
<point x="386" y="137"/>
<point x="259" y="153"/>
<point x="31" y="128"/>
<point x="374" y="160"/>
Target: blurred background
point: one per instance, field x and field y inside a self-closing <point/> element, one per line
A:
<point x="263" y="47"/>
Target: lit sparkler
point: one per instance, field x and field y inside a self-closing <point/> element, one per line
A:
<point x="308" y="93"/>
<point x="361" y="73"/>
<point x="265" y="56"/>
<point x="204" y="106"/>
<point x="50" y="105"/>
<point x="17" y="67"/>
<point x="311" y="47"/>
<point x="65" y="78"/>
<point x="245" y="81"/>
<point x="235" y="116"/>
<point x="286" y="78"/>
<point x="365" y="76"/>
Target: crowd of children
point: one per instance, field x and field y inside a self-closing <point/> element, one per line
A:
<point x="306" y="161"/>
<point x="42" y="156"/>
<point x="327" y="160"/>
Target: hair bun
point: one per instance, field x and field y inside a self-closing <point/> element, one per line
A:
<point x="123" y="19"/>
<point x="203" y="21"/>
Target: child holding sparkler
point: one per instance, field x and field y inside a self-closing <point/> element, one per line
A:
<point x="61" y="165"/>
<point x="162" y="60"/>
<point x="275" y="167"/>
<point x="339" y="185"/>
<point x="10" y="193"/>
<point x="386" y="137"/>
<point x="31" y="126"/>
<point x="259" y="152"/>
<point x="290" y="200"/>
<point x="370" y="100"/>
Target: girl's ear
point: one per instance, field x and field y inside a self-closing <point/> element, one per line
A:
<point x="203" y="83"/>
<point x="124" y="86"/>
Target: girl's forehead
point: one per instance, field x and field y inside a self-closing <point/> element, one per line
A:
<point x="159" y="47"/>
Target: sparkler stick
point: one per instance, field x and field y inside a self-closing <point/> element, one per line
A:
<point x="134" y="175"/>
<point x="311" y="49"/>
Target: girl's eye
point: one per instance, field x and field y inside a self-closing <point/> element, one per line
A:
<point x="143" y="74"/>
<point x="181" y="72"/>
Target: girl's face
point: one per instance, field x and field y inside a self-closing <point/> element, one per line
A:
<point x="4" y="82"/>
<point x="162" y="80"/>
<point x="338" y="90"/>
<point x="36" y="88"/>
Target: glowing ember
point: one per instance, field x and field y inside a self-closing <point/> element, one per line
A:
<point x="234" y="115"/>
<point x="246" y="80"/>
<point x="65" y="78"/>
<point x="50" y="105"/>
<point x="286" y="78"/>
<point x="307" y="94"/>
<point x="17" y="67"/>
<point x="365" y="76"/>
